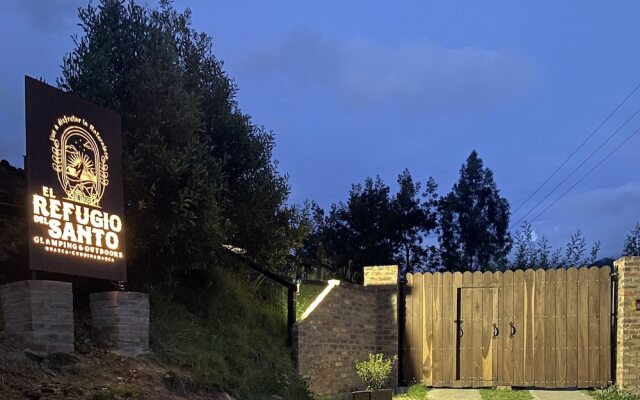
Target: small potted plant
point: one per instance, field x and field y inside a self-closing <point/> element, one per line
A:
<point x="375" y="372"/>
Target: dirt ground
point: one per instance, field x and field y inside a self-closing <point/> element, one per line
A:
<point x="90" y="373"/>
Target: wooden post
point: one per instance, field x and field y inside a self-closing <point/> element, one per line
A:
<point x="291" y="313"/>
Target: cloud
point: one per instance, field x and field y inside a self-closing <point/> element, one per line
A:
<point x="417" y="77"/>
<point x="606" y="214"/>
<point x="46" y="16"/>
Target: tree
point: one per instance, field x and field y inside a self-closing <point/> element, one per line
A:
<point x="353" y="234"/>
<point x="367" y="218"/>
<point x="593" y="254"/>
<point x="412" y="221"/>
<point x="574" y="253"/>
<point x="430" y="204"/>
<point x="543" y="258"/>
<point x="373" y="227"/>
<point x="315" y="258"/>
<point x="474" y="220"/>
<point x="632" y="242"/>
<point x="197" y="172"/>
<point x="525" y="252"/>
<point x="556" y="259"/>
<point x="13" y="226"/>
<point x="531" y="253"/>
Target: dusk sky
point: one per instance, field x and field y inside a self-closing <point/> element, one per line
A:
<point x="355" y="89"/>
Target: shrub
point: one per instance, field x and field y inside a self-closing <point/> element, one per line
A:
<point x="614" y="393"/>
<point x="227" y="339"/>
<point x="375" y="371"/>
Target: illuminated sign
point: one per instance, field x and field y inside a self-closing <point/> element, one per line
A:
<point x="74" y="183"/>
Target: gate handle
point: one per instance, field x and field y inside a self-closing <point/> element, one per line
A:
<point x="460" y="330"/>
<point x="513" y="330"/>
<point x="496" y="331"/>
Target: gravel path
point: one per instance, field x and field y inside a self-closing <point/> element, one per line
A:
<point x="454" y="394"/>
<point x="559" y="395"/>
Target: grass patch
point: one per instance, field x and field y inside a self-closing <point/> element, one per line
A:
<point x="415" y="392"/>
<point x="613" y="393"/>
<point x="505" y="394"/>
<point x="115" y="394"/>
<point x="234" y="341"/>
<point x="306" y="294"/>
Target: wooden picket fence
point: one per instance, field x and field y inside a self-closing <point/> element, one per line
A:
<point x="532" y="328"/>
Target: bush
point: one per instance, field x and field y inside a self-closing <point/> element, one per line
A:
<point x="232" y="341"/>
<point x="417" y="391"/>
<point x="614" y="393"/>
<point x="375" y="371"/>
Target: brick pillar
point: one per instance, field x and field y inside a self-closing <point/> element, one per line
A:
<point x="384" y="280"/>
<point x="628" y="340"/>
<point x="122" y="318"/>
<point x="40" y="314"/>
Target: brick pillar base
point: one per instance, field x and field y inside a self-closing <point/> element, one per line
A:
<point x="40" y="314"/>
<point x="122" y="318"/>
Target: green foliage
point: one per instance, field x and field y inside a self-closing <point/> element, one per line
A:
<point x="632" y="242"/>
<point x="307" y="293"/>
<point x="197" y="172"/>
<point x="119" y="393"/>
<point x="13" y="229"/>
<point x="575" y="250"/>
<point x="532" y="253"/>
<point x="412" y="221"/>
<point x="505" y="394"/>
<point x="13" y="243"/>
<point x="474" y="220"/>
<point x="375" y="371"/>
<point x="525" y="250"/>
<point x="415" y="392"/>
<point x="236" y="343"/>
<point x="374" y="227"/>
<point x="613" y="393"/>
<point x="128" y="60"/>
<point x="356" y="233"/>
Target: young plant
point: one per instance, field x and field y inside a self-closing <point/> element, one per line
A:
<point x="375" y="371"/>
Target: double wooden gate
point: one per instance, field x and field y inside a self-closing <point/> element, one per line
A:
<point x="533" y="328"/>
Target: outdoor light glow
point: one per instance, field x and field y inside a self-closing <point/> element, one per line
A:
<point x="74" y="185"/>
<point x="76" y="230"/>
<point x="330" y="285"/>
<point x="77" y="226"/>
<point x="80" y="159"/>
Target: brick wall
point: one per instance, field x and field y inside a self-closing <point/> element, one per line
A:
<point x="122" y="318"/>
<point x="628" y="340"/>
<point x="40" y="313"/>
<point x="349" y="323"/>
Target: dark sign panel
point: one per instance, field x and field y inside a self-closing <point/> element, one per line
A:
<point x="74" y="185"/>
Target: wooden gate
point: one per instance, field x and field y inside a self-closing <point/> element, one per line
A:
<point x="533" y="328"/>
